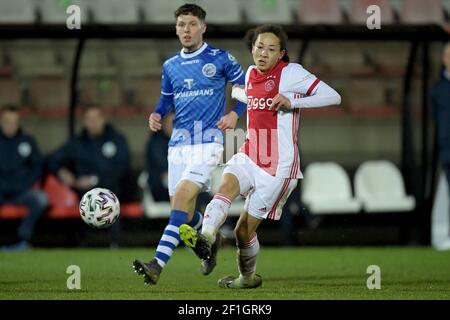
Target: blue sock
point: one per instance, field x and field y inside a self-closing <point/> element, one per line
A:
<point x="171" y="237"/>
<point x="196" y="221"/>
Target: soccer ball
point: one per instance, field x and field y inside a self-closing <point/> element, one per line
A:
<point x="99" y="208"/>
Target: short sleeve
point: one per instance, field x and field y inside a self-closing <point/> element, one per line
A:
<point x="232" y="68"/>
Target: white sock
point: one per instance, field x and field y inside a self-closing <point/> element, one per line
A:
<point x="246" y="256"/>
<point x="215" y="215"/>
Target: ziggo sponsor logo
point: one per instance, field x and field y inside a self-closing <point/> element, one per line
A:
<point x="258" y="103"/>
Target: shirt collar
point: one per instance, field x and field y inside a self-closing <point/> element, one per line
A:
<point x="193" y="54"/>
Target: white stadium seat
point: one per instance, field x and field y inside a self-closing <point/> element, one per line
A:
<point x="261" y="11"/>
<point x="17" y="11"/>
<point x="327" y="190"/>
<point x="54" y="13"/>
<point x="41" y="63"/>
<point x="380" y="187"/>
<point x="161" y="11"/>
<point x="222" y="12"/>
<point x="115" y="11"/>
<point x="152" y="209"/>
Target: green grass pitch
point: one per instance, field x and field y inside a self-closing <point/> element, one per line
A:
<point x="302" y="273"/>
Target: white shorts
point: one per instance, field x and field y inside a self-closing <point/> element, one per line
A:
<point x="194" y="163"/>
<point x="265" y="194"/>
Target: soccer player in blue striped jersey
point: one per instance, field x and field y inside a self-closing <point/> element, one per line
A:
<point x="193" y="85"/>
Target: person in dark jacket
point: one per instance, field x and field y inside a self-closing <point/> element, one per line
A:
<point x="97" y="157"/>
<point x="440" y="102"/>
<point x="156" y="161"/>
<point x="21" y="167"/>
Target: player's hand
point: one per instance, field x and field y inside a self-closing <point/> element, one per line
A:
<point x="154" y="122"/>
<point x="67" y="177"/>
<point x="228" y="121"/>
<point x="86" y="182"/>
<point x="281" y="103"/>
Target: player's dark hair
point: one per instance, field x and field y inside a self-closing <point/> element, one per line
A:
<point x="252" y="35"/>
<point x="193" y="9"/>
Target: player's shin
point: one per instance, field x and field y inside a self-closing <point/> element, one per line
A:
<point x="171" y="237"/>
<point x="215" y="215"/>
<point x="246" y="256"/>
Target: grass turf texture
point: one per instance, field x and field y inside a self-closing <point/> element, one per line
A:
<point x="303" y="273"/>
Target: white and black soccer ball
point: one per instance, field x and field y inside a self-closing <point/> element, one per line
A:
<point x="99" y="208"/>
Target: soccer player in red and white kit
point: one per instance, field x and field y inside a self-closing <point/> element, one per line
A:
<point x="267" y="167"/>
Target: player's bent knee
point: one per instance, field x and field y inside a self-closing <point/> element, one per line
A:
<point x="185" y="195"/>
<point x="229" y="186"/>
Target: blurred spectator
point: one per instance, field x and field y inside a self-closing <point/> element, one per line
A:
<point x="440" y="102"/>
<point x="156" y="160"/>
<point x="21" y="166"/>
<point x="97" y="157"/>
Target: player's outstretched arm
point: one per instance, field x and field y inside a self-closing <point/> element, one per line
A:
<point x="323" y="96"/>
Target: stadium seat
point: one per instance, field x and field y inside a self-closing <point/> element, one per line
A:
<point x="17" y="12"/>
<point x="237" y="206"/>
<point x="380" y="187"/>
<point x="422" y="12"/>
<point x="160" y="11"/>
<point x="10" y="211"/>
<point x="320" y="12"/>
<point x="358" y="13"/>
<point x="345" y="59"/>
<point x="137" y="59"/>
<point x="131" y="210"/>
<point x="220" y="12"/>
<point x="152" y="209"/>
<point x="97" y="60"/>
<point x="170" y="48"/>
<point x="5" y="68"/>
<point x="268" y="11"/>
<point x="364" y="93"/>
<point x="145" y="92"/>
<point x="41" y="63"/>
<point x="115" y="11"/>
<point x="49" y="93"/>
<point x="54" y="12"/>
<point x="327" y="189"/>
<point x="102" y="92"/>
<point x="10" y="92"/>
<point x="388" y="58"/>
<point x="63" y="200"/>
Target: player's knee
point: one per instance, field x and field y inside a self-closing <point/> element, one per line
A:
<point x="183" y="198"/>
<point x="229" y="186"/>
